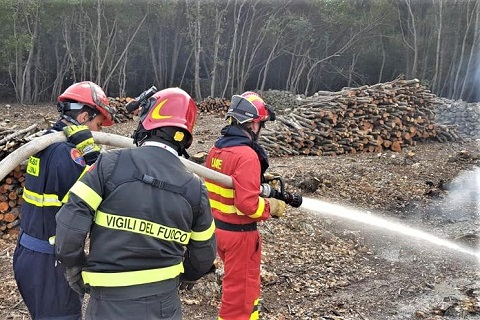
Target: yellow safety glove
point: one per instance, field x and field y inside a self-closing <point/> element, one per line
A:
<point x="277" y="207"/>
<point x="82" y="138"/>
<point x="270" y="178"/>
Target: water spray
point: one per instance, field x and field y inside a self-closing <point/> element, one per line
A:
<point x="366" y="217"/>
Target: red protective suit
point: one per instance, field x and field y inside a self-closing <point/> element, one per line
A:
<point x="236" y="211"/>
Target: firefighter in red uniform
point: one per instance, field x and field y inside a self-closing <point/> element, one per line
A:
<point x="50" y="174"/>
<point x="148" y="217"/>
<point x="237" y="210"/>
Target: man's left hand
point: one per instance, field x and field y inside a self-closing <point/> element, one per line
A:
<point x="74" y="279"/>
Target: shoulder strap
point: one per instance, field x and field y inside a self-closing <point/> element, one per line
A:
<point x="158" y="183"/>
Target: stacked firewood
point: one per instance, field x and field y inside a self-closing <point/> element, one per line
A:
<point x="365" y="119"/>
<point x="121" y="114"/>
<point x="213" y="106"/>
<point x="11" y="187"/>
<point x="465" y="116"/>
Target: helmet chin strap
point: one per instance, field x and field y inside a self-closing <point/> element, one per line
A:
<point x="76" y="122"/>
<point x="71" y="120"/>
<point x="252" y="133"/>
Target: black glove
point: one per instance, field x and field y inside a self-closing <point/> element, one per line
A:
<point x="186" y="284"/>
<point x="74" y="279"/>
<point x="82" y="138"/>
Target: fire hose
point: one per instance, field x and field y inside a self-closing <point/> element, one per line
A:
<point x="38" y="144"/>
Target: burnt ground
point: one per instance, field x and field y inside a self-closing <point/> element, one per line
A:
<point x="319" y="265"/>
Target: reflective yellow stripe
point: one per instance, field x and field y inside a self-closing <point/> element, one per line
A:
<point x="224" y="192"/>
<point x="41" y="200"/>
<point x="224" y="208"/>
<point x="230" y="194"/>
<point x="141" y="226"/>
<point x="82" y="145"/>
<point x="130" y="278"/>
<point x="65" y="198"/>
<point x="261" y="207"/>
<point x="255" y="315"/>
<point x="229" y="209"/>
<point x="87" y="194"/>
<point x="204" y="235"/>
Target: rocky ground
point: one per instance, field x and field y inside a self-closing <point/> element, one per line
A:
<point x="333" y="258"/>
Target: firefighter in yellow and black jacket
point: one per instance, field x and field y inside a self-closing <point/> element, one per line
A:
<point x="50" y="173"/>
<point x="148" y="217"/>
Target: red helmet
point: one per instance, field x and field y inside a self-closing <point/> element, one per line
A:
<point x="171" y="107"/>
<point x="249" y="107"/>
<point x="90" y="94"/>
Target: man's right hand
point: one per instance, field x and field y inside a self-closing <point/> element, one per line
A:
<point x="82" y="138"/>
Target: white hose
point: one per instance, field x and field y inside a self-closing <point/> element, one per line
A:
<point x="36" y="145"/>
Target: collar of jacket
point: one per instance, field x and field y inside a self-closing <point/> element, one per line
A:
<point x="233" y="135"/>
<point x="57" y="126"/>
<point x="160" y="145"/>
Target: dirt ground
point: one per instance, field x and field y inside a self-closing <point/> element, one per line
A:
<point x="331" y="259"/>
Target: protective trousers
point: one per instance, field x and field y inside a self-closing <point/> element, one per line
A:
<point x="136" y="302"/>
<point x="241" y="255"/>
<point x="43" y="287"/>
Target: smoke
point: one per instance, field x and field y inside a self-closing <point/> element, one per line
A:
<point x="476" y="84"/>
<point x="463" y="200"/>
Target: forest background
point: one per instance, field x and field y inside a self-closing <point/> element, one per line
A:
<point x="221" y="47"/>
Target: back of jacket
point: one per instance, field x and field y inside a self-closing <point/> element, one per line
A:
<point x="142" y="208"/>
<point x="49" y="176"/>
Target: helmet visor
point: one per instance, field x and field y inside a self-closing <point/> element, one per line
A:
<point x="68" y="106"/>
<point x="271" y="113"/>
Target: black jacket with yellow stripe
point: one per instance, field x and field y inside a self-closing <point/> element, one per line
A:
<point x="50" y="174"/>
<point x="142" y="208"/>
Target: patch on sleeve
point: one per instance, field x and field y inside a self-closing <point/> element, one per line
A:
<point x="77" y="157"/>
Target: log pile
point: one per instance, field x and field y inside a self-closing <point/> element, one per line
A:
<point x="465" y="116"/>
<point x="384" y="116"/>
<point x="213" y="106"/>
<point x="118" y="103"/>
<point x="11" y="187"/>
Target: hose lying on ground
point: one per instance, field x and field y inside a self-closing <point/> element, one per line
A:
<point x="24" y="152"/>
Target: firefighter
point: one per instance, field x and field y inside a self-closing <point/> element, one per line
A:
<point x="237" y="210"/>
<point x="149" y="219"/>
<point x="50" y="174"/>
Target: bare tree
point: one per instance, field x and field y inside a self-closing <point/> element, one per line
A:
<point x="25" y="33"/>
<point x="439" y="21"/>
<point x="474" y="52"/>
<point x="409" y="29"/>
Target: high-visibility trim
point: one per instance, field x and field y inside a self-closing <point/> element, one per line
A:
<point x="131" y="278"/>
<point x="141" y="226"/>
<point x="224" y="192"/>
<point x="41" y="200"/>
<point x="255" y="315"/>
<point x="33" y="167"/>
<point x="227" y="193"/>
<point x="65" y="198"/>
<point x="229" y="209"/>
<point x="204" y="235"/>
<point x="224" y="208"/>
<point x="260" y="209"/>
<point x="87" y="194"/>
